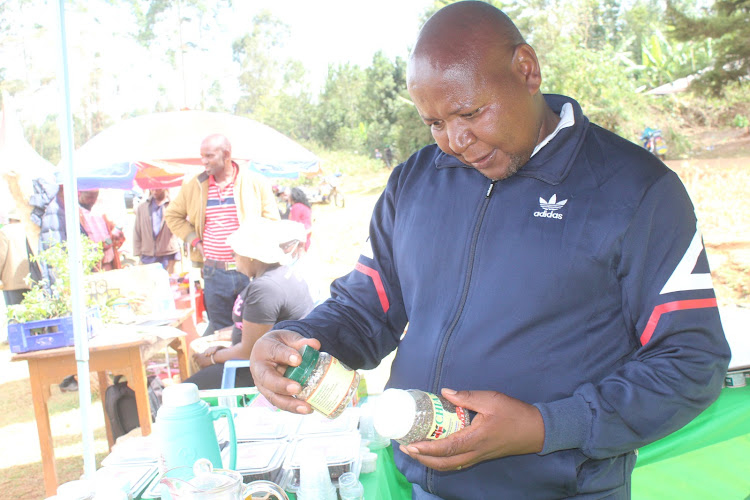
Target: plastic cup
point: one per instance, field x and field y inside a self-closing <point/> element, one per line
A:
<point x="367" y="429"/>
<point x="315" y="479"/>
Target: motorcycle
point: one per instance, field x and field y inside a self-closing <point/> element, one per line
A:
<point x="324" y="192"/>
<point x="654" y="142"/>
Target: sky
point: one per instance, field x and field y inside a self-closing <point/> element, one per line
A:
<point x="321" y="32"/>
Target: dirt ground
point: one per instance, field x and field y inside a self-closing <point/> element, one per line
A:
<point x="711" y="143"/>
<point x="717" y="176"/>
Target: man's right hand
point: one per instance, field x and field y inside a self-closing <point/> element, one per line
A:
<point x="199" y="247"/>
<point x="271" y="355"/>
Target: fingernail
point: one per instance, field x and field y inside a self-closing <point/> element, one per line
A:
<point x="403" y="449"/>
<point x="294" y="359"/>
<point x="292" y="389"/>
<point x="303" y="409"/>
<point x="449" y="391"/>
<point x="411" y="449"/>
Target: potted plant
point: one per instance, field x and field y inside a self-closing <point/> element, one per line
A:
<point x="43" y="319"/>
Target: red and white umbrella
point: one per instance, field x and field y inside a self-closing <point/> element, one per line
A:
<point x="157" y="150"/>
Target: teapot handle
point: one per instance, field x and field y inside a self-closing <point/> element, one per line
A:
<point x="216" y="413"/>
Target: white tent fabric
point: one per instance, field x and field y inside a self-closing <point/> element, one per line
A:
<point x="20" y="164"/>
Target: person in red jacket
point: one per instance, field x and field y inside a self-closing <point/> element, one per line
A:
<point x="301" y="211"/>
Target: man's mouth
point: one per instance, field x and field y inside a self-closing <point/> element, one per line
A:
<point x="484" y="161"/>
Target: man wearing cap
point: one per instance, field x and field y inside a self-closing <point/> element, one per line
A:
<point x="208" y="208"/>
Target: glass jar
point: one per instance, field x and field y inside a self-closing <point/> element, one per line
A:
<point x="412" y="415"/>
<point x="328" y="385"/>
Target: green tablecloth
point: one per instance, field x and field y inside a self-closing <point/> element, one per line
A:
<point x="707" y="459"/>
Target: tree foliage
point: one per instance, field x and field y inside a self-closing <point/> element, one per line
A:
<point x="728" y="25"/>
<point x="604" y="53"/>
<point x="255" y="54"/>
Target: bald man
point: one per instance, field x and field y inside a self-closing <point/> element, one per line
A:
<point x="210" y="207"/>
<point x="551" y="274"/>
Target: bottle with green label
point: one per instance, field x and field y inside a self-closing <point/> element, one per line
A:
<point x="328" y="385"/>
<point x="412" y="415"/>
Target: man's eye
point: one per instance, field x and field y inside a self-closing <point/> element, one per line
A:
<point x="471" y="113"/>
<point x="436" y="125"/>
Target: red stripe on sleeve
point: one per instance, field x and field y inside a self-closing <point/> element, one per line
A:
<point x="677" y="305"/>
<point x="375" y="276"/>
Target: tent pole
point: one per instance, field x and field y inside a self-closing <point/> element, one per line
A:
<point x="75" y="262"/>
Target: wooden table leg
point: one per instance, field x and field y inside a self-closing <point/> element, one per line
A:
<point x="180" y="347"/>
<point x="103" y="384"/>
<point x="40" y="393"/>
<point x="140" y="387"/>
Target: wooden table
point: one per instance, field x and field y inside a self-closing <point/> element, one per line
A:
<point x="118" y="354"/>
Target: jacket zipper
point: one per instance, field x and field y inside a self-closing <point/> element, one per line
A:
<point x="462" y="302"/>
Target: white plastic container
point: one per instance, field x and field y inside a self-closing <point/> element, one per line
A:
<point x="260" y="460"/>
<point x="735" y="379"/>
<point x="350" y="488"/>
<point x="315" y="424"/>
<point x="254" y="424"/>
<point x="341" y="453"/>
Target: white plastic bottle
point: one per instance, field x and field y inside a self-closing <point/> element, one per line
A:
<point x="412" y="415"/>
<point x="350" y="488"/>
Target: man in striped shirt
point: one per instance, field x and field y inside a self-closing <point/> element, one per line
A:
<point x="208" y="208"/>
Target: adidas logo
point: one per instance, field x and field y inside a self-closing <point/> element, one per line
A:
<point x="550" y="208"/>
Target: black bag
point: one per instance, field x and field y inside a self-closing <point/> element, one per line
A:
<point x="120" y="406"/>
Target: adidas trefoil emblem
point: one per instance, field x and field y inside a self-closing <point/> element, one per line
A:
<point x="550" y="208"/>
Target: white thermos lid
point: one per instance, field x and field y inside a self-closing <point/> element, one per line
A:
<point x="177" y="395"/>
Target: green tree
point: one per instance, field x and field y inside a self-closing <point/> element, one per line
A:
<point x="727" y="24"/>
<point x="338" y="113"/>
<point x="256" y="54"/>
<point x="385" y="80"/>
<point x="290" y="111"/>
<point x="182" y="32"/>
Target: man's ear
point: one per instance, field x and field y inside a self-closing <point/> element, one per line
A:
<point x="526" y="65"/>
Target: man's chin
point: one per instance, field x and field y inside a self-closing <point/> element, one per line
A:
<point x="500" y="172"/>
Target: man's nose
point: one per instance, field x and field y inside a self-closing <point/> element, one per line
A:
<point x="460" y="138"/>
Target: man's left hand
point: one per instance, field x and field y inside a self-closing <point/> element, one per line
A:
<point x="502" y="426"/>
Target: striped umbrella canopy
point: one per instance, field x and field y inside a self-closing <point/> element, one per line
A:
<point x="157" y="150"/>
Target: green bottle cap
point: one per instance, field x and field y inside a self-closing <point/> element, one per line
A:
<point x="302" y="372"/>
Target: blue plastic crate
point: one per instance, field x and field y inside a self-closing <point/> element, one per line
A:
<point x="47" y="333"/>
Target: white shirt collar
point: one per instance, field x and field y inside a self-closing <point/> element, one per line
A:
<point x="566" y="120"/>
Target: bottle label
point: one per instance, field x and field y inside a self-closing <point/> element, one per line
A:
<point x="448" y="418"/>
<point x="333" y="388"/>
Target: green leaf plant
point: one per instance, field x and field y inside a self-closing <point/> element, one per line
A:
<point x="47" y="300"/>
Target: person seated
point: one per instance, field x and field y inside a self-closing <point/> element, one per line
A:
<point x="275" y="293"/>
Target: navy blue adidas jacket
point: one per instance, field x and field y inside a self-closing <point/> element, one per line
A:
<point x="580" y="284"/>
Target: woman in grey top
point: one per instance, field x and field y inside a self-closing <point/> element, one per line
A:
<point x="275" y="293"/>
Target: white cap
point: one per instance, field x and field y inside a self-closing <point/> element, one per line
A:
<point x="394" y="413"/>
<point x="180" y="395"/>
